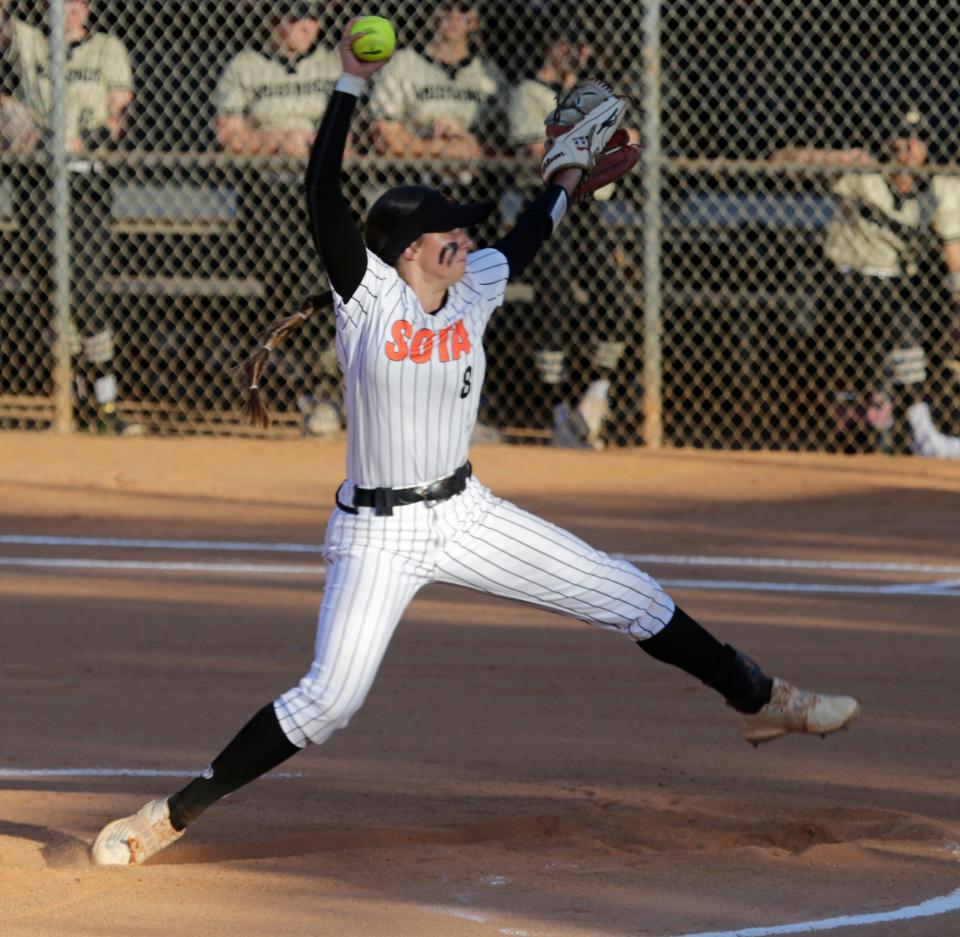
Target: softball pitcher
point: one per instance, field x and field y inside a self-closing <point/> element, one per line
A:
<point x="411" y="300"/>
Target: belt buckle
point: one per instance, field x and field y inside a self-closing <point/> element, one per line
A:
<point x="383" y="502"/>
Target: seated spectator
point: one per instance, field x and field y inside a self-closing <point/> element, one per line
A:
<point x="99" y="83"/>
<point x="894" y="233"/>
<point x="439" y="102"/>
<point x="270" y="100"/>
<point x="99" y="77"/>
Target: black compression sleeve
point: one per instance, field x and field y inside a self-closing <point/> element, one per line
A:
<point x="259" y="746"/>
<point x="533" y="228"/>
<point x="689" y="646"/>
<point x="335" y="232"/>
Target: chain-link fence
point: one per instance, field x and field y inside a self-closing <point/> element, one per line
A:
<point x="780" y="271"/>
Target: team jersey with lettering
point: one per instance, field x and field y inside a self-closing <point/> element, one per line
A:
<point x="415" y="90"/>
<point x="275" y="93"/>
<point x="873" y="222"/>
<point x="96" y="65"/>
<point x="412" y="379"/>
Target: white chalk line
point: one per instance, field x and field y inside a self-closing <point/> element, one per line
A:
<point x="134" y="543"/>
<point x="933" y="907"/>
<point x="734" y="585"/>
<point x="761" y="562"/>
<point x="943" y="588"/>
<point x="757" y="562"/>
<point x="450" y="911"/>
<point x="26" y="773"/>
<point x="930" y="908"/>
<point x="160" y="566"/>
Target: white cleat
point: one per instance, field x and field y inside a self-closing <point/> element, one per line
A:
<point x="793" y="710"/>
<point x="134" y="839"/>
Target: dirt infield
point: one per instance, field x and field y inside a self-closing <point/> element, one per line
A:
<point x="512" y="772"/>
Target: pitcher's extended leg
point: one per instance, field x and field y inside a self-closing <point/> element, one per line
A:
<point x="366" y="593"/>
<point x="512" y="553"/>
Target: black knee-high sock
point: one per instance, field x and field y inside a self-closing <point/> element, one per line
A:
<point x="259" y="746"/>
<point x="687" y="645"/>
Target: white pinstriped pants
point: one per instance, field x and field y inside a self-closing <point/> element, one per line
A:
<point x="377" y="564"/>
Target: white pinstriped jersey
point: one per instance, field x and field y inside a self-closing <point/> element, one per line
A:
<point x="412" y="379"/>
<point x="412" y="383"/>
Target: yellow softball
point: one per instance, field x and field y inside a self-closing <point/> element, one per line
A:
<point x="379" y="42"/>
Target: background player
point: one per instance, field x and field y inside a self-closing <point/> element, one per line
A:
<point x="411" y="306"/>
<point x="578" y="287"/>
<point x="99" y="94"/>
<point x="441" y="101"/>
<point x="269" y="101"/>
<point x="893" y="235"/>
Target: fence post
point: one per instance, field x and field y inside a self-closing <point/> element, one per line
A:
<point x="652" y="318"/>
<point x="62" y="375"/>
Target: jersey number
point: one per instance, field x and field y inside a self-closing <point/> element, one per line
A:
<point x="465" y="390"/>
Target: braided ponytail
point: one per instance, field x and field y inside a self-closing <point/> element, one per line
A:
<point x="254" y="410"/>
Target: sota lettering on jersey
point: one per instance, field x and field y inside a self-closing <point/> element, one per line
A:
<point x="449" y="343"/>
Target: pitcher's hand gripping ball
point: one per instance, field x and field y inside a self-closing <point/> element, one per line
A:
<point x="378" y="43"/>
<point x="583" y="131"/>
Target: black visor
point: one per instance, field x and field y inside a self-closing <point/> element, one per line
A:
<point x="403" y="213"/>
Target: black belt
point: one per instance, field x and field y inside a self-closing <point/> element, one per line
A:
<point x="384" y="500"/>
